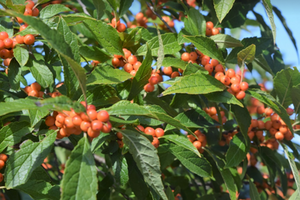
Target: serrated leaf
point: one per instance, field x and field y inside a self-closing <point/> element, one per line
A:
<point x="22" y="163"/>
<point x="14" y="75"/>
<point x="21" y="54"/>
<point x="107" y="75"/>
<point x="17" y="105"/>
<point x="60" y="103"/>
<point x="99" y="5"/>
<point x="53" y="9"/>
<point x="124" y="6"/>
<point x="268" y="6"/>
<point x="41" y="73"/>
<point x="146" y="158"/>
<point x="94" y="53"/>
<point x="223" y="97"/>
<point x="141" y="77"/>
<point x="195" y="23"/>
<point x="253" y="191"/>
<point x="197" y="83"/>
<point x="246" y="55"/>
<point x="101" y="95"/>
<point x="127" y="108"/>
<point x="237" y="151"/>
<point x="80" y="172"/>
<point x="194" y="163"/>
<point x="226" y="41"/>
<point x="283" y="84"/>
<point x="12" y="134"/>
<point x="57" y="40"/>
<point x="182" y="141"/>
<point x="207" y="46"/>
<point x="222" y="8"/>
<point x="106" y="35"/>
<point x="98" y="142"/>
<point x="170" y="45"/>
<point x="174" y="62"/>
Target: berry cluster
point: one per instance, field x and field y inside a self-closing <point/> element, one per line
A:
<point x="168" y="20"/>
<point x="198" y="142"/>
<point x="34" y="90"/>
<point x="70" y="122"/>
<point x="129" y="62"/>
<point x="212" y="111"/>
<point x="154" y="79"/>
<point x="156" y="133"/>
<point x="3" y="159"/>
<point x="121" y="27"/>
<point x="211" y="30"/>
<point x="30" y="10"/>
<point x="150" y="14"/>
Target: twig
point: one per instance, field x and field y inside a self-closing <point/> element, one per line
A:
<point x="83" y="7"/>
<point x="158" y="15"/>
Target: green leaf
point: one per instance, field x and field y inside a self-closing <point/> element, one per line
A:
<point x="197" y="83"/>
<point x="22" y="163"/>
<point x="99" y="5"/>
<point x="14" y="74"/>
<point x="295" y="195"/>
<point x="174" y="62"/>
<point x="283" y="84"/>
<point x="41" y="73"/>
<point x="131" y="38"/>
<point x="77" y="17"/>
<point x="21" y="54"/>
<point x="12" y="134"/>
<point x="58" y="41"/>
<point x="222" y="8"/>
<point x="207" y="46"/>
<point x="288" y="30"/>
<point x="246" y="55"/>
<point x="94" y="53"/>
<point x="120" y="168"/>
<point x="36" y="115"/>
<point x="223" y="97"/>
<point x="80" y="172"/>
<point x="141" y="77"/>
<point x="194" y="163"/>
<point x="243" y="122"/>
<point x="101" y="95"/>
<point x="293" y="166"/>
<point x="124" y="6"/>
<point x="170" y="45"/>
<point x="182" y="141"/>
<point x="253" y="191"/>
<point x="53" y="9"/>
<point x="98" y="142"/>
<point x="60" y="103"/>
<point x="127" y="108"/>
<point x="237" y="15"/>
<point x="237" y="151"/>
<point x="107" y="75"/>
<point x="146" y="158"/>
<point x="226" y="41"/>
<point x="268" y="7"/>
<point x="17" y="105"/>
<point x="106" y="35"/>
<point x="272" y="103"/>
<point x="195" y="23"/>
<point x="295" y="91"/>
<point x="160" y="51"/>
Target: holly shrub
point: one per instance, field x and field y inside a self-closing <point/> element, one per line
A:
<point x="98" y="102"/>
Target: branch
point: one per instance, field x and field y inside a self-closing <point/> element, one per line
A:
<point x="158" y="15"/>
<point x="83" y="7"/>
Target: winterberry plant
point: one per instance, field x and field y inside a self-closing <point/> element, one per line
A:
<point x="133" y="99"/>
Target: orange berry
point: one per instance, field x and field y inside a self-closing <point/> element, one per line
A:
<point x="235" y="87"/>
<point x="175" y="74"/>
<point x="20" y="39"/>
<point x="121" y="27"/>
<point x="225" y="80"/>
<point x="96" y="125"/>
<point x="50" y="121"/>
<point x="141" y="128"/>
<point x="240" y="95"/>
<point x="261" y="109"/>
<point x="120" y="143"/>
<point x="29" y="39"/>
<point x="268" y="125"/>
<point x="1" y="177"/>
<point x="185" y="56"/>
<point x="35" y="12"/>
<point x="29" y="4"/>
<point x="155" y="142"/>
<point x="115" y="62"/>
<point x="219" y="68"/>
<point x="244" y="86"/>
<point x="76" y="120"/>
<point x="159" y="132"/>
<point x="219" y="75"/>
<point x="28" y="12"/>
<point x="205" y="60"/>
<point x="106" y="128"/>
<point x="132" y="59"/>
<point x="149" y="88"/>
<point x="209" y="68"/>
<point x="20" y="20"/>
<point x="167" y="71"/>
<point x="235" y="79"/>
<point x="103" y="116"/>
<point x="214" y="62"/>
<point x="290" y="111"/>
<point x="230" y="73"/>
<point x="150" y="131"/>
<point x="279" y="135"/>
<point x="69" y="122"/>
<point x="24" y="26"/>
<point x="137" y="65"/>
<point x="268" y="112"/>
<point x="193" y="56"/>
<point x="92" y="114"/>
<point x="4" y="53"/>
<point x="85" y="125"/>
<point x="3" y="35"/>
<point x="6" y="61"/>
<point x="3" y="157"/>
<point x="153" y="80"/>
<point x="36" y="86"/>
<point x="128" y="67"/>
<point x="209" y="24"/>
<point x="33" y="93"/>
<point x="119" y="135"/>
<point x="8" y="43"/>
<point x="197" y="144"/>
<point x="215" y="31"/>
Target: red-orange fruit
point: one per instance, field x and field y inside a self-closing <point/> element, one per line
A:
<point x="150" y="131"/>
<point x="103" y="116"/>
<point x="159" y="132"/>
